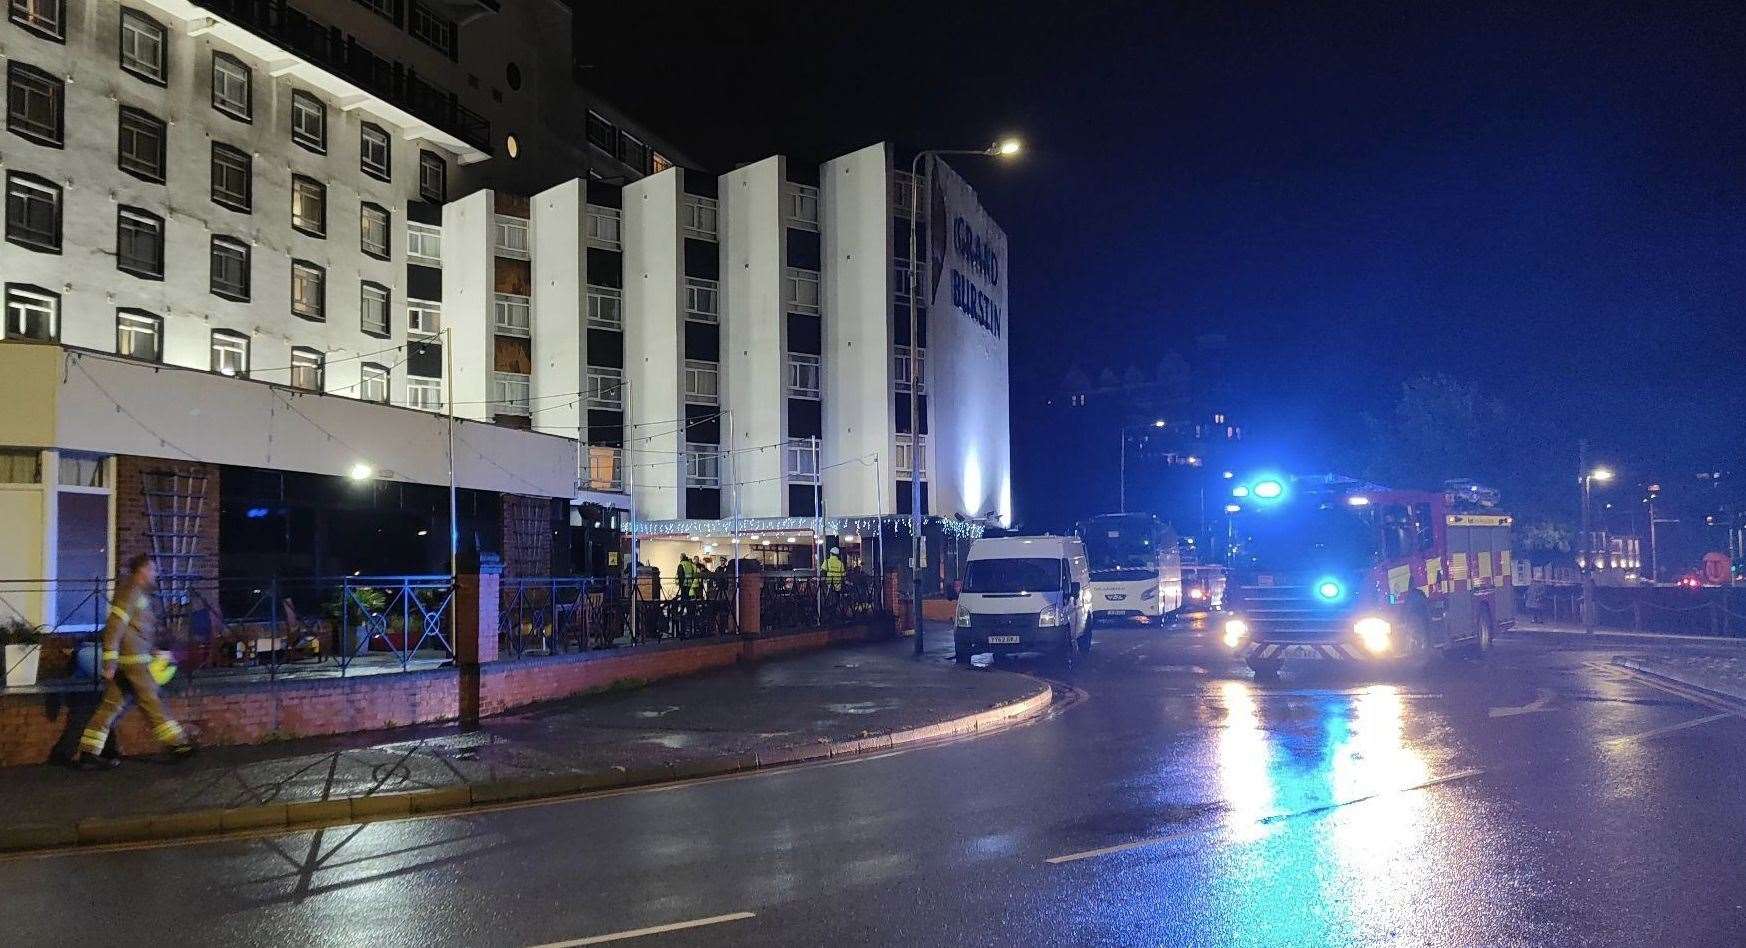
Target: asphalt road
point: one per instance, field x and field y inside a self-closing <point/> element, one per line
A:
<point x="1539" y="797"/>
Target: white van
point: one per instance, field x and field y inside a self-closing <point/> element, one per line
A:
<point x="1024" y="594"/>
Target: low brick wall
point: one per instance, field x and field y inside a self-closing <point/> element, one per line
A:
<point x="33" y="725"/>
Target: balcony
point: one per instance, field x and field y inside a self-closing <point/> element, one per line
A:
<point x="510" y="393"/>
<point x="294" y="31"/>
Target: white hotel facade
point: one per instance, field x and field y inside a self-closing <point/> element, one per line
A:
<point x="257" y="235"/>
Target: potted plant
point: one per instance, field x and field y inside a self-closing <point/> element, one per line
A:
<point x="23" y="651"/>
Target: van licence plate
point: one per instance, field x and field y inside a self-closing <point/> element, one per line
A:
<point x="1003" y="640"/>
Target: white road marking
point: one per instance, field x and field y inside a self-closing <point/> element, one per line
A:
<point x="1669" y="729"/>
<point x="652" y="930"/>
<point x="1542" y="699"/>
<point x="1272" y="818"/>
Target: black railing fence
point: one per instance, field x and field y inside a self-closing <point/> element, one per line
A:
<point x="1662" y="610"/>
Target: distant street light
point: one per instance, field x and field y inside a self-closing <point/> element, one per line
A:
<point x="1589" y="478"/>
<point x="361" y="472"/>
<point x="1008" y="147"/>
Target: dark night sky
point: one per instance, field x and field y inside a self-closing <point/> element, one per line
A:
<point x="1549" y="202"/>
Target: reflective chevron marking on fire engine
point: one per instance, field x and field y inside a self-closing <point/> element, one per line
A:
<point x="1311" y="650"/>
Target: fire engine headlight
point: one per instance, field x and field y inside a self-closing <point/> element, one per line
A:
<point x="1374" y="632"/>
<point x="1197" y="594"/>
<point x="1236" y="630"/>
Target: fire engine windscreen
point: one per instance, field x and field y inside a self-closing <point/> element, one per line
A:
<point x="1313" y="538"/>
<point x="1013" y="576"/>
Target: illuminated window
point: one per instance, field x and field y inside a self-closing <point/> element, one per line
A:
<point x="309" y="206"/>
<point x="139" y="335"/>
<point x="373" y="383"/>
<point x="31" y="312"/>
<point x="424" y="393"/>
<point x="308" y="366"/>
<point x="230" y="353"/>
<point x="308" y="290"/>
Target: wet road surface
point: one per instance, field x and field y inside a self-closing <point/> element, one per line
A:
<point x="1538" y="797"/>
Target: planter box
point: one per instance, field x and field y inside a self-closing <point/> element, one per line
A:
<point x="21" y="662"/>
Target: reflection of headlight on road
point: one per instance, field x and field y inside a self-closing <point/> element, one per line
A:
<point x="1236" y="630"/>
<point x="1374" y="632"/>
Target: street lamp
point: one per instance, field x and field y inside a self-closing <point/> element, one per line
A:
<point x="1008" y="147"/>
<point x="1122" y="468"/>
<point x="1599" y="475"/>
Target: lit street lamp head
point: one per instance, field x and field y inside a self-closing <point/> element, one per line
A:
<point x="1006" y="148"/>
<point x="362" y="472"/>
<point x="1600" y="475"/>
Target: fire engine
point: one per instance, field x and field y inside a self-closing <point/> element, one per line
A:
<point x="1331" y="569"/>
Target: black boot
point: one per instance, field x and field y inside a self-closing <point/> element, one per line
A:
<point x="84" y="761"/>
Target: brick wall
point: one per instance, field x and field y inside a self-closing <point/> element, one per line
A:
<point x="131" y="522"/>
<point x="32" y="725"/>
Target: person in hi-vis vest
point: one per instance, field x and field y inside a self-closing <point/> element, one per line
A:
<point x="127" y="670"/>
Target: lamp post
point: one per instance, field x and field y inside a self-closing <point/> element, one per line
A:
<point x="1005" y="148"/>
<point x="1599" y="475"/>
<point x="1122" y="468"/>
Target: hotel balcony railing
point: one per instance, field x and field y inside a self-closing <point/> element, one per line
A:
<point x="326" y="46"/>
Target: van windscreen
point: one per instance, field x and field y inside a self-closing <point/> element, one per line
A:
<point x="1011" y="576"/>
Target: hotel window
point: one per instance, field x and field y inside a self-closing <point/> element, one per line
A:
<point x="230" y="268"/>
<point x="33" y="212"/>
<point x="700" y="215"/>
<point x="424" y="317"/>
<point x="605" y="468"/>
<point x="702" y="465"/>
<point x="20" y="466"/>
<point x="308" y="366"/>
<point x="702" y="382"/>
<point x="424" y="244"/>
<point x="511" y="236"/>
<point x="139" y="243"/>
<point x="373" y="306"/>
<point x="802" y="205"/>
<point x="511" y="393"/>
<point x="309" y="206"/>
<point x="601" y="133"/>
<point x="232" y="185"/>
<point x="142" y="46"/>
<point x="428" y="27"/>
<point x="702" y="300"/>
<point x="31" y="312"/>
<point x="433" y="177"/>
<point x="906" y="453"/>
<point x="658" y="162"/>
<point x="511" y="314"/>
<point x="139" y="335"/>
<point x="605" y="226"/>
<point x="308" y="121"/>
<point x="900" y="374"/>
<point x="45" y="17"/>
<point x="800" y="289"/>
<point x="375" y="151"/>
<point x="803" y="375"/>
<point x="230" y="353"/>
<point x="424" y="393"/>
<point x="605" y="307"/>
<point x="373" y="224"/>
<point x="802" y="461"/>
<point x="232" y="87"/>
<point x="34" y="104"/>
<point x="141" y="149"/>
<point x="605" y="388"/>
<point x="308" y="290"/>
<point x="373" y="383"/>
<point x="633" y="152"/>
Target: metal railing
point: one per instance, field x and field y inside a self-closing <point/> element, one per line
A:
<point x="1662" y="610"/>
<point x="798" y="600"/>
<point x="247" y="629"/>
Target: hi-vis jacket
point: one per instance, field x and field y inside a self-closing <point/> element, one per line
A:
<point x="129" y="634"/>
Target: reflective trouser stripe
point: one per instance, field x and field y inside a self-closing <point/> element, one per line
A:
<point x="132" y="683"/>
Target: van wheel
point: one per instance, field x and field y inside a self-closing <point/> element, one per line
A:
<point x="1265" y="669"/>
<point x="961" y="656"/>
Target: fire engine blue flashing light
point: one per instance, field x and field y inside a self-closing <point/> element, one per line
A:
<point x="257" y="513"/>
<point x="1268" y="490"/>
<point x="1239" y="491"/>
<point x="1329" y="590"/>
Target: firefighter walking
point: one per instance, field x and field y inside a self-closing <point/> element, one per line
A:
<point x="127" y="670"/>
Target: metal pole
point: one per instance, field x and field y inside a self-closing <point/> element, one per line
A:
<point x="630" y="504"/>
<point x="915" y="380"/>
<point x="818" y="551"/>
<point x="454" y="502"/>
<point x="879" y="517"/>
<point x="734" y="527"/>
<point x="1587" y="544"/>
<point x="1654" y="566"/>
<point x="1122" y="474"/>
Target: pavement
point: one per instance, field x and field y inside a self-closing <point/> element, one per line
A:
<point x="833" y="702"/>
<point x="1540" y="796"/>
